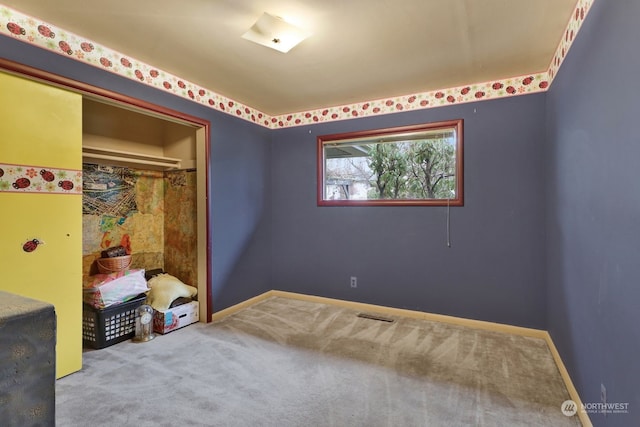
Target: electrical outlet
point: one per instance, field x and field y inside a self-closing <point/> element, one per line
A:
<point x="603" y="398"/>
<point x="354" y="282"/>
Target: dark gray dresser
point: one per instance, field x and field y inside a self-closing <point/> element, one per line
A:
<point x="27" y="361"/>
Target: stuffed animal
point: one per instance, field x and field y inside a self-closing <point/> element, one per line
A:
<point x="164" y="289"/>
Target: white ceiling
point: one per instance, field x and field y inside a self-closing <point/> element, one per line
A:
<point x="359" y="50"/>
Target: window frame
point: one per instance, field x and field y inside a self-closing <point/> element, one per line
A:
<point x="458" y="200"/>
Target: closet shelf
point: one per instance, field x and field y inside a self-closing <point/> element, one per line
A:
<point x="105" y="155"/>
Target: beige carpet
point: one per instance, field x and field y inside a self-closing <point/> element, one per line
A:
<point x="284" y="362"/>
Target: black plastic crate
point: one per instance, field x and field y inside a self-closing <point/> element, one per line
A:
<point x="104" y="327"/>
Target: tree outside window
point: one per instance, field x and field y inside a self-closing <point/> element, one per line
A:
<point x="416" y="165"/>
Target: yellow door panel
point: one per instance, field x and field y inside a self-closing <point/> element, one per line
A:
<point x="41" y="127"/>
<point x="52" y="272"/>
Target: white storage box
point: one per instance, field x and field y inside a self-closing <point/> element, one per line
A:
<point x="176" y="317"/>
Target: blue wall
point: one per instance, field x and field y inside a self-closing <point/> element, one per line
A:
<point x="495" y="268"/>
<point x="239" y="150"/>
<point x="593" y="214"/>
<point x="399" y="254"/>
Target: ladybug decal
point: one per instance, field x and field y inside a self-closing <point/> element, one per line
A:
<point x="105" y="62"/>
<point x="16" y="29"/>
<point x="64" y="46"/>
<point x="1" y="172"/>
<point x="511" y="89"/>
<point x="31" y="245"/>
<point x="190" y="93"/>
<point x="125" y="62"/>
<point x="527" y="81"/>
<point x="154" y="73"/>
<point x="46" y="31"/>
<point x="139" y="75"/>
<point x="86" y="46"/>
<point x="497" y="85"/>
<point x="465" y="90"/>
<point x="21" y="183"/>
<point x="439" y="95"/>
<point x="479" y="94"/>
<point x="66" y="185"/>
<point x="47" y="175"/>
<point x="166" y="85"/>
<point x="412" y="99"/>
<point x="181" y="84"/>
<point x="544" y="84"/>
<point x="450" y="98"/>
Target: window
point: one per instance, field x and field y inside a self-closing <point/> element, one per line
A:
<point x="406" y="166"/>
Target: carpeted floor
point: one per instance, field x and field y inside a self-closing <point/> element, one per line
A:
<point x="285" y="362"/>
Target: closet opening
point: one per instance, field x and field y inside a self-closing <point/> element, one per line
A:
<point x="143" y="189"/>
<point x="182" y="155"/>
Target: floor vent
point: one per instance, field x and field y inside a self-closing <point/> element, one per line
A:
<point x="376" y="317"/>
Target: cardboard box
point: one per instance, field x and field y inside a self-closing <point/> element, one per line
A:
<point x="176" y="317"/>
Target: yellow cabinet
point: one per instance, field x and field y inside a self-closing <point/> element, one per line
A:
<point x="41" y="200"/>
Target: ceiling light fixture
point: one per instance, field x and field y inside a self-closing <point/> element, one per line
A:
<point x="274" y="32"/>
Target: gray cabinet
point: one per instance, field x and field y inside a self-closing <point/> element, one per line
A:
<point x="27" y="361"/>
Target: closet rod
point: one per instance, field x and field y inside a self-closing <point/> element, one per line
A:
<point x="98" y="153"/>
<point x="173" y="165"/>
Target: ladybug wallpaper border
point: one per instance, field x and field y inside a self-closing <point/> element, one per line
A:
<point x="55" y="39"/>
<point x="39" y="179"/>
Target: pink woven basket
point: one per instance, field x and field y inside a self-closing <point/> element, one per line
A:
<point x="113" y="265"/>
